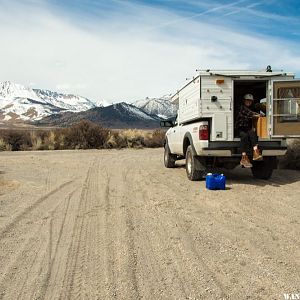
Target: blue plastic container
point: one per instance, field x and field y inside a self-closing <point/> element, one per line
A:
<point x="215" y="181"/>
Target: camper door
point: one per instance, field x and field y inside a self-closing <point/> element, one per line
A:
<point x="286" y="108"/>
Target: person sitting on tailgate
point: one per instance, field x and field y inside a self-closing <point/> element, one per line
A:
<point x="248" y="136"/>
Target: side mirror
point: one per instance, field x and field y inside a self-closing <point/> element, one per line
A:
<point x="166" y="123"/>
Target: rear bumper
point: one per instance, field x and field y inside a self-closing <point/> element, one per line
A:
<point x="269" y="148"/>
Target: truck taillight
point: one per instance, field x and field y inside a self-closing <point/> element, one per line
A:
<point x="203" y="132"/>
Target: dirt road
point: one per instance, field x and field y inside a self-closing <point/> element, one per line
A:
<point x="117" y="225"/>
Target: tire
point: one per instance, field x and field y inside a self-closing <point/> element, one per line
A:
<point x="263" y="169"/>
<point x="169" y="158"/>
<point x="193" y="165"/>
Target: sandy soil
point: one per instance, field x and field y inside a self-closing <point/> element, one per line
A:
<point x="117" y="225"/>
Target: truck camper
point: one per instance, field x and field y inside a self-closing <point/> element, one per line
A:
<point x="204" y="132"/>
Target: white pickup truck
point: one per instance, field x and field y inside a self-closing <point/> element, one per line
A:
<point x="204" y="132"/>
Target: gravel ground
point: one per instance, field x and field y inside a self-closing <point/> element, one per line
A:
<point x="115" y="224"/>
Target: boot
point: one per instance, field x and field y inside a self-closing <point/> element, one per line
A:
<point x="256" y="155"/>
<point x="245" y="162"/>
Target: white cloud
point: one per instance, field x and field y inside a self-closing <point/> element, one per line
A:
<point x="120" y="58"/>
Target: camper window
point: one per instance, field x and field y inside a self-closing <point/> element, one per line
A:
<point x="288" y="106"/>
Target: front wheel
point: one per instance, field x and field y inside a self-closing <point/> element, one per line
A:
<point x="193" y="166"/>
<point x="263" y="169"/>
<point x="169" y="159"/>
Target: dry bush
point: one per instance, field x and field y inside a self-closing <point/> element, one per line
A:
<point x="4" y="146"/>
<point x="114" y="141"/>
<point x="86" y="135"/>
<point x="16" y="139"/>
<point x="132" y="138"/>
<point x="48" y="141"/>
<point x="292" y="158"/>
<point x="156" y="139"/>
<point x="36" y="141"/>
<point x="59" y="139"/>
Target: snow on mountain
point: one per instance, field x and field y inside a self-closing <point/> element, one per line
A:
<point x="19" y="103"/>
<point x="158" y="106"/>
<point x="120" y="115"/>
<point x="10" y="90"/>
<point x="65" y="101"/>
<point x="101" y="103"/>
<point x="133" y="111"/>
<point x="22" y="103"/>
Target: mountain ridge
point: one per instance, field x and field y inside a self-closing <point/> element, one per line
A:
<point x="162" y="106"/>
<point x="20" y="103"/>
<point x="116" y="116"/>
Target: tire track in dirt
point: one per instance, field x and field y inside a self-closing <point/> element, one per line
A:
<point x="108" y="236"/>
<point x="31" y="255"/>
<point x="74" y="248"/>
<point x="183" y="246"/>
<point x="244" y="221"/>
<point x="53" y="254"/>
<point x="224" y="234"/>
<point x="120" y="258"/>
<point x="21" y="222"/>
<point x="43" y="270"/>
<point x="30" y="208"/>
<point x="132" y="252"/>
<point x="126" y="228"/>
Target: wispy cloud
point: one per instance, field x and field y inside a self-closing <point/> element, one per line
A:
<point x="197" y="15"/>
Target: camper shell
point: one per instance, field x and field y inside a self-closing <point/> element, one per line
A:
<point x="212" y="100"/>
<point x="217" y="95"/>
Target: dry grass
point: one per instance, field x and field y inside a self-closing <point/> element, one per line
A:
<point x="136" y="138"/>
<point x="84" y="135"/>
<point x="4" y="146"/>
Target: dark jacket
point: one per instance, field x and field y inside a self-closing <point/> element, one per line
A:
<point x="244" y="118"/>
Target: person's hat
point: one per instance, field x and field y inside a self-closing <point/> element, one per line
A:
<point x="248" y="97"/>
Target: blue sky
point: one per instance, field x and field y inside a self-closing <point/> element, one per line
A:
<point x="277" y="18"/>
<point x="126" y="50"/>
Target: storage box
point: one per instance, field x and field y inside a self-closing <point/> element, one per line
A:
<point x="261" y="127"/>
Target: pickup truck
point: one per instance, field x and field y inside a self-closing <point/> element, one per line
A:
<point x="203" y="132"/>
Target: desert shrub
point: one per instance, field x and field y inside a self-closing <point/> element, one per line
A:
<point x="292" y="158"/>
<point x="36" y="141"/>
<point x="49" y="141"/>
<point x="86" y="135"/>
<point x="132" y="138"/>
<point x="117" y="140"/>
<point x="4" y="146"/>
<point x="156" y="139"/>
<point x="16" y="139"/>
<point x="59" y="139"/>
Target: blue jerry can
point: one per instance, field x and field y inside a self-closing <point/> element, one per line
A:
<point x="215" y="181"/>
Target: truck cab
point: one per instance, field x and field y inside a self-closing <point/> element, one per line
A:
<point x="204" y="132"/>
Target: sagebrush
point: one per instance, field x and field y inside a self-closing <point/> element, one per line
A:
<point x="83" y="135"/>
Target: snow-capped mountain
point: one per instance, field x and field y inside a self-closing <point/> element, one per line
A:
<point x="158" y="106"/>
<point x="134" y="111"/>
<point x="120" y="115"/>
<point x="20" y="103"/>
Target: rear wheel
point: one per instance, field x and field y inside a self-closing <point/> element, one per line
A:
<point x="263" y="169"/>
<point x="169" y="158"/>
<point x="193" y="166"/>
